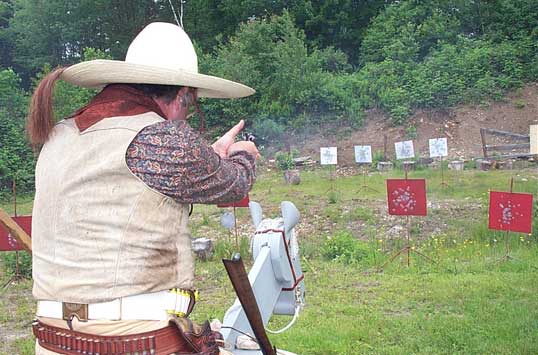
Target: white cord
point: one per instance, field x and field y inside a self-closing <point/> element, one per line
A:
<point x="181" y="2"/>
<point x="297" y="309"/>
<point x="175" y="15"/>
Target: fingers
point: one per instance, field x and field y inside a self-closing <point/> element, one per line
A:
<point x="234" y="131"/>
<point x="247" y="146"/>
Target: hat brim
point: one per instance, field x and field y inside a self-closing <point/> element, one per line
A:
<point x="95" y="74"/>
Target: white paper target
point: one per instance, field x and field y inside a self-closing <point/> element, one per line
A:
<point x="363" y="154"/>
<point x="404" y="150"/>
<point x="438" y="147"/>
<point x="328" y="155"/>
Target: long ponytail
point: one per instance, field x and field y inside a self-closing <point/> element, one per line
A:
<point x="41" y="115"/>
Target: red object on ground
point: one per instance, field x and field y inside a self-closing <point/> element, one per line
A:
<point x="510" y="211"/>
<point x="406" y="197"/>
<point x="7" y="241"/>
<point x="243" y="203"/>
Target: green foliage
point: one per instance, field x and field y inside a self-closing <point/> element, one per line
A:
<point x="25" y="346"/>
<point x="268" y="130"/>
<point x="333" y="196"/>
<point x="272" y="56"/>
<point x="427" y="54"/>
<point x="16" y="157"/>
<point x="330" y="23"/>
<point x="68" y="98"/>
<point x="467" y="71"/>
<point x="226" y="248"/>
<point x="377" y="157"/>
<point x="310" y="62"/>
<point x="6" y="40"/>
<point x="509" y="19"/>
<point x="519" y="104"/>
<point x="470" y="70"/>
<point x="406" y="31"/>
<point x="284" y="160"/>
<point x="411" y="132"/>
<point x="343" y="247"/>
<point x="25" y="263"/>
<point x="57" y="31"/>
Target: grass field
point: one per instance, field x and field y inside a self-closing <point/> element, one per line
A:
<point x="470" y="301"/>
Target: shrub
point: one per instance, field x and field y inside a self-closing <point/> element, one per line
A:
<point x="225" y="248"/>
<point x="519" y="104"/>
<point x="411" y="132"/>
<point x="284" y="161"/>
<point x="343" y="247"/>
<point x="333" y="196"/>
<point x="377" y="157"/>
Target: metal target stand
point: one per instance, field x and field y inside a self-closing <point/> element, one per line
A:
<point x="18" y="276"/>
<point x="443" y="183"/>
<point x="506" y="257"/>
<point x="332" y="178"/>
<point x="332" y="172"/>
<point x="408" y="248"/>
<point x="364" y="185"/>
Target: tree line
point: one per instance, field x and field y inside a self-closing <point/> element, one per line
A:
<point x="310" y="61"/>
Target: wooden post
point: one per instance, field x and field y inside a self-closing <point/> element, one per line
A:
<point x="534" y="139"/>
<point x="385" y="147"/>
<point x="507" y="236"/>
<point x="484" y="147"/>
<point x="14" y="188"/>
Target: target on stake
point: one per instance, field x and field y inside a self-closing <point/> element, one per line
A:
<point x="510" y="211"/>
<point x="406" y="197"/>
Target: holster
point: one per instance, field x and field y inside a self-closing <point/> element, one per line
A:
<point x="203" y="340"/>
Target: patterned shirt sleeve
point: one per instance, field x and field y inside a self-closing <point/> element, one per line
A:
<point x="171" y="158"/>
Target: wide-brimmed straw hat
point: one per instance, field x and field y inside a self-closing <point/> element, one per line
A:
<point x="162" y="53"/>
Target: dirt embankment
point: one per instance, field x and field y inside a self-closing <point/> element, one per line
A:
<point x="461" y="125"/>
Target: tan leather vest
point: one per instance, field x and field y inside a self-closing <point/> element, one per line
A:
<point x="98" y="232"/>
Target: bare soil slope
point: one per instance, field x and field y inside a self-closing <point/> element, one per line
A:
<point x="461" y="125"/>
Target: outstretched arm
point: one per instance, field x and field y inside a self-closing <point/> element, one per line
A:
<point x="173" y="159"/>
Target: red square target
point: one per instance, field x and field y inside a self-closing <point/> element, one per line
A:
<point x="243" y="203"/>
<point x="510" y="211"/>
<point x="7" y="241"/>
<point x="406" y="197"/>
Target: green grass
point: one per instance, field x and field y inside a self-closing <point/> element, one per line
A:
<point x="472" y="300"/>
<point x="471" y="184"/>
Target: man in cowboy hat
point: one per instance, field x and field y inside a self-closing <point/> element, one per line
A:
<point x="112" y="263"/>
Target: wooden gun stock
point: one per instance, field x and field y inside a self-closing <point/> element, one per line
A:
<point x="245" y="294"/>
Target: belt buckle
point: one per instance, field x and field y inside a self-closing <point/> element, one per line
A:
<point x="79" y="310"/>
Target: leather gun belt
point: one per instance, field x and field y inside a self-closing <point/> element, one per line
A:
<point x="162" y="341"/>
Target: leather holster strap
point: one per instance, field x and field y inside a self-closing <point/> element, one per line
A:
<point x="162" y="341"/>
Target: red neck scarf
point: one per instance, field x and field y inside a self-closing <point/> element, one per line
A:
<point x="115" y="100"/>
